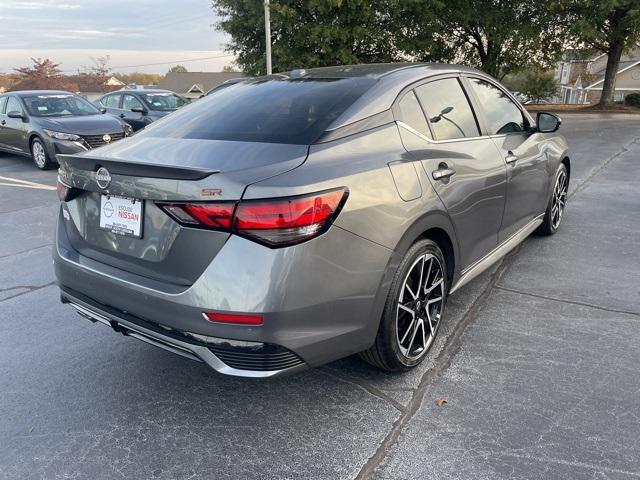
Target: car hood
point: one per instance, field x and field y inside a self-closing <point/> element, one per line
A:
<point x="83" y="125"/>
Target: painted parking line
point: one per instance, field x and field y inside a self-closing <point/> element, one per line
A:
<point x="16" y="182"/>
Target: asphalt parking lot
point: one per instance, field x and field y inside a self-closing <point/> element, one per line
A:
<point x="537" y="361"/>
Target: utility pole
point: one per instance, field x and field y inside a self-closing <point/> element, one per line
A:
<point x="267" y="33"/>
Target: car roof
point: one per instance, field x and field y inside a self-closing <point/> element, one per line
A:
<point x="29" y="93"/>
<point x="144" y="90"/>
<point x="375" y="70"/>
<point x="391" y="80"/>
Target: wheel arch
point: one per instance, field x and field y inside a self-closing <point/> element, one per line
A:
<point x="434" y="225"/>
<point x="31" y="137"/>
<point x="567" y="163"/>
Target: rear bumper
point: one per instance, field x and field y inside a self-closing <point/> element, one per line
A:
<point x="249" y="359"/>
<point x="321" y="300"/>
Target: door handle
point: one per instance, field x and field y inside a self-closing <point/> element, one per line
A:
<point x="443" y="172"/>
<point x="122" y="115"/>
<point x="510" y="158"/>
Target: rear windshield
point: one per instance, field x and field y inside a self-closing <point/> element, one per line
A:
<point x="58" y="105"/>
<point x="267" y="110"/>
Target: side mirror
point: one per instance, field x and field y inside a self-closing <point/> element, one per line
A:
<point x="103" y="110"/>
<point x="15" y="114"/>
<point x="548" y="122"/>
<point x="141" y="110"/>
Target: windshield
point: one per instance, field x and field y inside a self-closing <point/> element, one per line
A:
<point x="266" y="110"/>
<point x="59" y="105"/>
<point x="164" y="101"/>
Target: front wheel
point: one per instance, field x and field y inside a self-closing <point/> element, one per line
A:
<point x="39" y="154"/>
<point x="555" y="208"/>
<point x="413" y="311"/>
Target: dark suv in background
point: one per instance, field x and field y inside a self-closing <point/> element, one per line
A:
<point x="45" y="123"/>
<point x="139" y="108"/>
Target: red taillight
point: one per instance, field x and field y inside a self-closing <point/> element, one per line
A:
<point x="217" y="216"/>
<point x="238" y="319"/>
<point x="288" y="213"/>
<point x="65" y="192"/>
<point x="275" y="223"/>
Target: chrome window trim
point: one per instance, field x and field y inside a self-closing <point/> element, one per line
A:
<point x="451" y="140"/>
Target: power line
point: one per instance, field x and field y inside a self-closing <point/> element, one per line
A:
<point x="186" y="60"/>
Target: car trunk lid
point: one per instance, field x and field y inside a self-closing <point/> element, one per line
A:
<point x="152" y="170"/>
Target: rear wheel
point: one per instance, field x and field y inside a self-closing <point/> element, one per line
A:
<point x="555" y="209"/>
<point x="39" y="154"/>
<point x="413" y="311"/>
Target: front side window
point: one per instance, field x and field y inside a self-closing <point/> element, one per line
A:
<point x="129" y="102"/>
<point x="448" y="109"/>
<point x="59" y="105"/>
<point x="503" y="116"/>
<point x="411" y="114"/>
<point x="13" y="105"/>
<point x="164" y="101"/>
<point x="111" y="101"/>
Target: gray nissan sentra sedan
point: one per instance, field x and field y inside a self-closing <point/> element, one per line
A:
<point x="291" y="220"/>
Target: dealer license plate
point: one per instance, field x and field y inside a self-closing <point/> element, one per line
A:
<point x="121" y="215"/>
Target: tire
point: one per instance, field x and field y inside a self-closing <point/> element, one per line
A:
<point x="393" y="349"/>
<point x="557" y="202"/>
<point x="39" y="155"/>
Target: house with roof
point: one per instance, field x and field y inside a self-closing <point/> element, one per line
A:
<point x="193" y="85"/>
<point x="580" y="76"/>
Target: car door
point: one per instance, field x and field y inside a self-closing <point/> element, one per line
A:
<point x="137" y="120"/>
<point x="526" y="160"/>
<point x="439" y="128"/>
<point x="14" y="130"/>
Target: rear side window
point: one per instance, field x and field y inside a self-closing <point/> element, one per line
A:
<point x="3" y="102"/>
<point x="111" y="101"/>
<point x="448" y="109"/>
<point x="267" y="110"/>
<point x="411" y="113"/>
<point x="503" y="116"/>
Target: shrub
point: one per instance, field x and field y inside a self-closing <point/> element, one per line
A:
<point x="632" y="100"/>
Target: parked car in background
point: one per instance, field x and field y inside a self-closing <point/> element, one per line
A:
<point x="139" y="108"/>
<point x="43" y="124"/>
<point x="290" y="221"/>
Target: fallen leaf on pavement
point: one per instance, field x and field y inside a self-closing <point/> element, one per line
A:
<point x="440" y="402"/>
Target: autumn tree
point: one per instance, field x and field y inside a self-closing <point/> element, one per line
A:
<point x="44" y="74"/>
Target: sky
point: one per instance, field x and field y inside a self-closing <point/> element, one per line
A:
<point x="134" y="33"/>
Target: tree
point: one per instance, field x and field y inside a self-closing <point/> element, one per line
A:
<point x="178" y="69"/>
<point x="610" y="26"/>
<point x="139" y="78"/>
<point x="42" y="75"/>
<point x="498" y="36"/>
<point x="533" y="84"/>
<point x="229" y="69"/>
<point x="304" y="34"/>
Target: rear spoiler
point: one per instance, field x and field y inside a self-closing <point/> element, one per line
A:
<point x="147" y="170"/>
